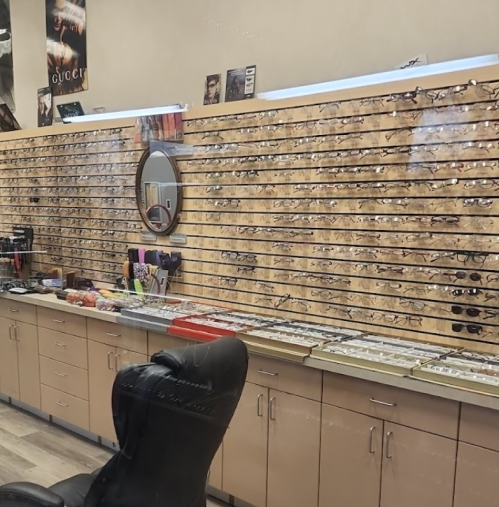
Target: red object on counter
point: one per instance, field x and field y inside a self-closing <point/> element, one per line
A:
<point x="184" y="322"/>
<point x="185" y="332"/>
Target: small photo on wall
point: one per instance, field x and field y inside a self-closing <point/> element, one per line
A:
<point x="7" y="121"/>
<point x="45" y="110"/>
<point x="235" y="84"/>
<point x="249" y="84"/>
<point x="212" y="87"/>
<point x="240" y="84"/>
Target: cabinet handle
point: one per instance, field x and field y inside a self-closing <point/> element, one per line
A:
<point x="62" y="404"/>
<point x="371" y="439"/>
<point x="59" y="344"/>
<point x="372" y="400"/>
<point x="13" y="310"/>
<point x="57" y="321"/>
<point x="259" y="412"/>
<point x="60" y="374"/>
<point x="388" y="440"/>
<point x="116" y="369"/>
<point x="263" y="372"/>
<point x="114" y="335"/>
<point x="10" y="332"/>
<point x="16" y="336"/>
<point x="271" y="409"/>
<point x="109" y="361"/>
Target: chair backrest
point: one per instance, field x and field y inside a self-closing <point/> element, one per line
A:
<point x="170" y="417"/>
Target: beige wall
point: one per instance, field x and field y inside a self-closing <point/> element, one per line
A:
<point x="143" y="53"/>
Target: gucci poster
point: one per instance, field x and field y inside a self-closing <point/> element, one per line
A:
<point x="67" y="46"/>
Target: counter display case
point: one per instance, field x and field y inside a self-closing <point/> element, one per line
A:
<point x="471" y="370"/>
<point x="381" y="353"/>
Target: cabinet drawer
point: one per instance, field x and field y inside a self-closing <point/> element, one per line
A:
<point x="63" y="347"/>
<point x="65" y="407"/>
<point x="22" y="312"/>
<point x="63" y="322"/>
<point x="479" y="426"/>
<point x="116" y="335"/>
<point x="159" y="342"/>
<point x="283" y="376"/>
<point x="420" y="411"/>
<point x="63" y="377"/>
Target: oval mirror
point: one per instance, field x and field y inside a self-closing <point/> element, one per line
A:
<point x="158" y="191"/>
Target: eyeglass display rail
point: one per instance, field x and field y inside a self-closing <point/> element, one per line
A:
<point x="378" y="213"/>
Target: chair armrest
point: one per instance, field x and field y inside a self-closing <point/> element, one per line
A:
<point x="27" y="493"/>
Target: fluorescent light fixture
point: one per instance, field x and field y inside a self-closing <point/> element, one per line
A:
<point x="383" y="77"/>
<point x="125" y="114"/>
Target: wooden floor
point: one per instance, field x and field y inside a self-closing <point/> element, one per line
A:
<point x="33" y="450"/>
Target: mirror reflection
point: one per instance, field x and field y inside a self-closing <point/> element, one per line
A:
<point x="158" y="191"/>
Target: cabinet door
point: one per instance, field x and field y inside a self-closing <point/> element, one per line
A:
<point x="418" y="468"/>
<point x="29" y="366"/>
<point x="351" y="449"/>
<point x="477" y="476"/>
<point x="101" y="375"/>
<point x="294" y="441"/>
<point x="125" y="357"/>
<point x="245" y="448"/>
<point x="9" y="370"/>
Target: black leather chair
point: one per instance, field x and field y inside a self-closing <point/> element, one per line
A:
<point x="170" y="417"/>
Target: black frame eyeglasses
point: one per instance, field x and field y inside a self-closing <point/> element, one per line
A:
<point x="471" y="312"/>
<point x="470" y="328"/>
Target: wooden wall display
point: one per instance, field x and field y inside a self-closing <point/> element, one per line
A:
<point x="375" y="209"/>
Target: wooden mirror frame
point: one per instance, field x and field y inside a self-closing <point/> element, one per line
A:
<point x="180" y="194"/>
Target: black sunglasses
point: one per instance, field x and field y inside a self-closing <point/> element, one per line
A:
<point x="475" y="277"/>
<point x="471" y="312"/>
<point x="472" y="328"/>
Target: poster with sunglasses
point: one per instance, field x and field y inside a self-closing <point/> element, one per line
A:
<point x="212" y="89"/>
<point x="240" y="84"/>
<point x="45" y="110"/>
<point x="67" y="46"/>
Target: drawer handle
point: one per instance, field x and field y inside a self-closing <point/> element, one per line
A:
<point x="114" y="335"/>
<point x="13" y="310"/>
<point x="62" y="404"/>
<point x="263" y="372"/>
<point x="259" y="400"/>
<point x="392" y="405"/>
<point x="371" y="439"/>
<point x="58" y="321"/>
<point x="388" y="440"/>
<point x="59" y="344"/>
<point x="60" y="374"/>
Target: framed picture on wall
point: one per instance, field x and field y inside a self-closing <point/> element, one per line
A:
<point x="240" y="84"/>
<point x="212" y="89"/>
<point x="70" y="110"/>
<point x="7" y="121"/>
<point x="45" y="110"/>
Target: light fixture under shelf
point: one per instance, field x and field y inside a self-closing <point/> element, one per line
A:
<point x="383" y="77"/>
<point x="126" y="114"/>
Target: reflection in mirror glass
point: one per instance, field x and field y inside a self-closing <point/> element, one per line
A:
<point x="158" y="192"/>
